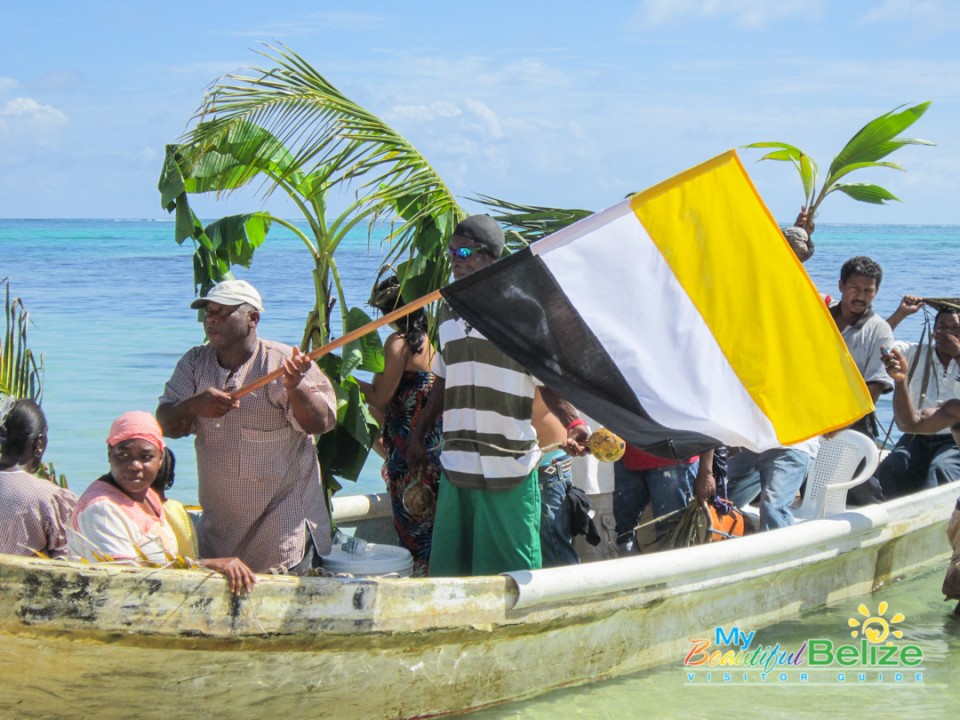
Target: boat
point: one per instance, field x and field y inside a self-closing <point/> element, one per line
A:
<point x="108" y="641"/>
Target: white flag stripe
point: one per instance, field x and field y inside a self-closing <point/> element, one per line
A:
<point x="677" y="344"/>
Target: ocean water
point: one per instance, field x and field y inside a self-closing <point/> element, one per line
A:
<point x="668" y="693"/>
<point x="109" y="300"/>
<point x="109" y="303"/>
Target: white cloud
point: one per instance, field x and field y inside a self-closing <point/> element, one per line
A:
<point x="746" y="13"/>
<point x="24" y="122"/>
<point x="7" y="84"/>
<point x="422" y="113"/>
<point x="489" y="120"/>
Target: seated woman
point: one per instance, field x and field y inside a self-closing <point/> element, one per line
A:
<point x="34" y="512"/>
<point x="177" y="516"/>
<point x="400" y="392"/>
<point x="120" y="517"/>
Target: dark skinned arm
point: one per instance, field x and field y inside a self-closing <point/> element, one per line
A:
<point x="416" y="451"/>
<point x="576" y="443"/>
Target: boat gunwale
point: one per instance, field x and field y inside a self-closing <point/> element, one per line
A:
<point x="148" y="599"/>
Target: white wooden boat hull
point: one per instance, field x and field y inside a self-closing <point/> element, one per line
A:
<point x="98" y="641"/>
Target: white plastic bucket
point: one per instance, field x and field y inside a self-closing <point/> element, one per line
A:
<point x="372" y="561"/>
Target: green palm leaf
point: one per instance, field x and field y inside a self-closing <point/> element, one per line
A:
<point x="286" y="128"/>
<point x="857" y="166"/>
<point x="808" y="176"/>
<point x="805" y="165"/>
<point x="291" y="128"/>
<point x="787" y="152"/>
<point x="865" y="192"/>
<point x="320" y="129"/>
<point x="526" y="224"/>
<point x="21" y="371"/>
<point x="873" y="141"/>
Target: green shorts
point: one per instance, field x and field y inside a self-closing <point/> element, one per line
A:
<point x="486" y="532"/>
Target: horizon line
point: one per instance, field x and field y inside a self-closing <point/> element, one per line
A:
<point x="387" y="222"/>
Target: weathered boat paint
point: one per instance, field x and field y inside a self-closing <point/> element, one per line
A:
<point x="391" y="648"/>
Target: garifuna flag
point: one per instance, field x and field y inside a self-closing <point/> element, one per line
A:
<point x="679" y="318"/>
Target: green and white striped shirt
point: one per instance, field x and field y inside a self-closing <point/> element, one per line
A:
<point x="489" y="441"/>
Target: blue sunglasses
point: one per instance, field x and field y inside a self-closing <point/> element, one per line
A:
<point x="464" y="252"/>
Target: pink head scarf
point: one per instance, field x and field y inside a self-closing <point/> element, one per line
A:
<point x="136" y="425"/>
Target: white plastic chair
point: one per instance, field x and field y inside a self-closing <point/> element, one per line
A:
<point x="844" y="461"/>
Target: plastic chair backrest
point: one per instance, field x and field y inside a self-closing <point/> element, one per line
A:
<point x="844" y="461"/>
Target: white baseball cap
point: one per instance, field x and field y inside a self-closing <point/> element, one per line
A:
<point x="231" y="292"/>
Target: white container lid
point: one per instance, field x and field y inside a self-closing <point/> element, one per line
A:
<point x="371" y="561"/>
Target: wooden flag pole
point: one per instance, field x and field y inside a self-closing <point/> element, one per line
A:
<point x="348" y="338"/>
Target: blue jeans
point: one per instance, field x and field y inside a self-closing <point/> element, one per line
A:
<point x="919" y="462"/>
<point x="775" y="475"/>
<point x="556" y="537"/>
<point x="667" y="488"/>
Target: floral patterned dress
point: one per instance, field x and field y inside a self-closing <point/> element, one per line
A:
<point x="401" y="414"/>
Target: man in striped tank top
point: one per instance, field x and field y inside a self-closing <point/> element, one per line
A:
<point x="488" y="508"/>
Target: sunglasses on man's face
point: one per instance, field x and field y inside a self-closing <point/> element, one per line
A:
<point x="464" y="252"/>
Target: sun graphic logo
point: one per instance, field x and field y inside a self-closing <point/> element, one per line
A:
<point x="877" y="645"/>
<point x="876" y="628"/>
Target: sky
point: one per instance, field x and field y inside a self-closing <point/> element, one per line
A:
<point x="562" y="103"/>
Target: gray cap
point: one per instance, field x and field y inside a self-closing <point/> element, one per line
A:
<point x="483" y="230"/>
<point x="231" y="292"/>
<point x="800" y="241"/>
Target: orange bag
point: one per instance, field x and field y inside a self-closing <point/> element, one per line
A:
<point x="726" y="521"/>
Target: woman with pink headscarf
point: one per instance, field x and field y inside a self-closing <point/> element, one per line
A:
<point x="121" y="518"/>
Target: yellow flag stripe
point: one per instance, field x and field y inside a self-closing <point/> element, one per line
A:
<point x="713" y="229"/>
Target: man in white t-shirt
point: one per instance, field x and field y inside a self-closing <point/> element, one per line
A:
<point x="922" y="461"/>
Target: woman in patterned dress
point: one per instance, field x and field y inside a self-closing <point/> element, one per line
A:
<point x="399" y="393"/>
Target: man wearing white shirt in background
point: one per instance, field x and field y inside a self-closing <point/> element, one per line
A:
<point x="865" y="333"/>
<point x="920" y="462"/>
<point x="863" y="330"/>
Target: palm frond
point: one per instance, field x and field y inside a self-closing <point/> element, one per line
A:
<point x="529" y="223"/>
<point x="875" y="140"/>
<point x="865" y="192"/>
<point x="785" y="151"/>
<point x="293" y="107"/>
<point x="867" y="164"/>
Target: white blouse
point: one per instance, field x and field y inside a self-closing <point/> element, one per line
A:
<point x="107" y="523"/>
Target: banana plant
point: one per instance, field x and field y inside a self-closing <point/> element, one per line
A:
<point x="874" y="141"/>
<point x="285" y="128"/>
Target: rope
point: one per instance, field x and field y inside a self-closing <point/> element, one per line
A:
<point x="510" y="451"/>
<point x="928" y="364"/>
<point x="657" y="519"/>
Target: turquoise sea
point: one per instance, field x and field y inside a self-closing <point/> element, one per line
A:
<point x="109" y="304"/>
<point x="109" y="300"/>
